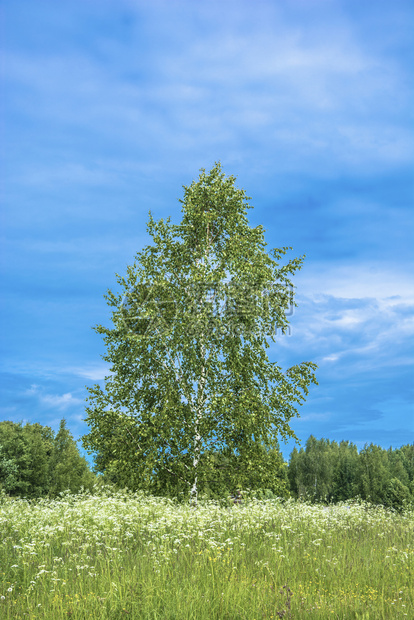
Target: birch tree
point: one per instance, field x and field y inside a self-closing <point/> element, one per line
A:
<point x="189" y="370"/>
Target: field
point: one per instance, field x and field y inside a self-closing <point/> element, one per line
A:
<point x="111" y="556"/>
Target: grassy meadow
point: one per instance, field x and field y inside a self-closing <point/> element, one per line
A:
<point x="124" y="555"/>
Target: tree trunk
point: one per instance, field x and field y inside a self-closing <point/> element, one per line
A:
<point x="200" y="403"/>
<point x="197" y="436"/>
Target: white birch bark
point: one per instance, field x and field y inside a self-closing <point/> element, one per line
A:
<point x="200" y="402"/>
<point x="197" y="435"/>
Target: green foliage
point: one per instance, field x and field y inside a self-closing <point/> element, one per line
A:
<point x="24" y="453"/>
<point x="345" y="478"/>
<point x="374" y="475"/>
<point x="397" y="495"/>
<point x="312" y="470"/>
<point x="328" y="472"/>
<point x="191" y="383"/>
<point x="264" y="477"/>
<point x="406" y="456"/>
<point x="9" y="472"/>
<point x="69" y="470"/>
<point x="35" y="463"/>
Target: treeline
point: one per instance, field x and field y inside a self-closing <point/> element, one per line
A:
<point x="327" y="471"/>
<point x="36" y="462"/>
<point x="321" y="471"/>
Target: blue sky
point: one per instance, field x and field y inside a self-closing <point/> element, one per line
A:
<point x="109" y="107"/>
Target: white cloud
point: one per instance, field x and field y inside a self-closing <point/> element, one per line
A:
<point x="331" y="358"/>
<point x="356" y="281"/>
<point x="61" y="402"/>
<point x="351" y="321"/>
<point x="261" y="74"/>
<point x="314" y="417"/>
<point x="93" y="372"/>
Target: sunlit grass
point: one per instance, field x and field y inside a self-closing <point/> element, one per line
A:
<point x="126" y="555"/>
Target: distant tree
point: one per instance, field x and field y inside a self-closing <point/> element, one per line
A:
<point x="345" y="477"/>
<point x="406" y="454"/>
<point x="24" y="454"/>
<point x="34" y="463"/>
<point x="397" y="495"/>
<point x="189" y="374"/>
<point x="69" y="470"/>
<point x="9" y="472"/>
<point x="39" y="446"/>
<point x="374" y="475"/>
<point x="16" y="451"/>
<point x="312" y="469"/>
<point x="396" y="467"/>
<point x="326" y="470"/>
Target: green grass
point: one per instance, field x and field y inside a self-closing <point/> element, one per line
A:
<point x="111" y="556"/>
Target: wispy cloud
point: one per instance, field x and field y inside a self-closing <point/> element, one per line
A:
<point x="96" y="372"/>
<point x="55" y="401"/>
<point x="261" y="77"/>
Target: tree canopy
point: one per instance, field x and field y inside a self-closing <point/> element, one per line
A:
<point x="189" y="372"/>
<point x="35" y="462"/>
<point x="327" y="471"/>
